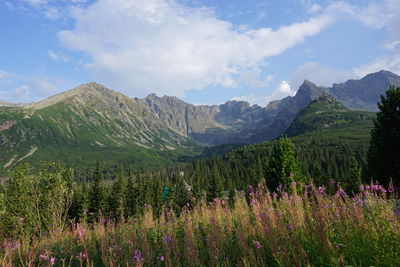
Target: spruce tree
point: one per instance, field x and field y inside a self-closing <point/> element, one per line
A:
<point x="283" y="166"/>
<point x="215" y="186"/>
<point x="384" y="150"/>
<point x="97" y="200"/>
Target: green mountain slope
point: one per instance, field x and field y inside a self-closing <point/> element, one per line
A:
<point x="327" y="135"/>
<point x="85" y="123"/>
<point x="328" y="116"/>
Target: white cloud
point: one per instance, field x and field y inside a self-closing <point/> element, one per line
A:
<point x="21" y="88"/>
<point x="395" y="45"/>
<point x="160" y="46"/>
<point x="19" y="94"/>
<point x="36" y="2"/>
<point x="58" y="57"/>
<point x="390" y="63"/>
<point x="320" y="75"/>
<point x="282" y="91"/>
<point x="52" y="12"/>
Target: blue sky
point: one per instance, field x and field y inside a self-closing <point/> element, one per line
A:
<point x="205" y="52"/>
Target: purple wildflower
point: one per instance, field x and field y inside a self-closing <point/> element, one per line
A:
<point x="161" y="258"/>
<point x="21" y="220"/>
<point x="167" y="239"/>
<point x="81" y="232"/>
<point x="138" y="256"/>
<point x="250" y="188"/>
<point x="52" y="261"/>
<point x="10" y="244"/>
<point x="290" y="227"/>
<point x="257" y="244"/>
<point x="321" y="189"/>
<point x="81" y="256"/>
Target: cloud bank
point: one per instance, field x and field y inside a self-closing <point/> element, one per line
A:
<point x="161" y="46"/>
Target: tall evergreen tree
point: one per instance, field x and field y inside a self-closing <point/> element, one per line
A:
<point x="215" y="186"/>
<point x="384" y="150"/>
<point x="283" y="166"/>
<point x="97" y="197"/>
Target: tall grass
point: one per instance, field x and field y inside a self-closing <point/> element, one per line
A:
<point x="258" y="229"/>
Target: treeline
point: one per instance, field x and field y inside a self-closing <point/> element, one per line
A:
<point x="35" y="202"/>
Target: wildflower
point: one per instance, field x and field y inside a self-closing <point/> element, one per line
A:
<point x="341" y="192"/>
<point x="390" y="188"/>
<point x="21" y="220"/>
<point x="43" y="256"/>
<point x="81" y="232"/>
<point x="274" y="195"/>
<point x="52" y="261"/>
<point x="10" y="244"/>
<point x="138" y="256"/>
<point x="167" y="239"/>
<point x="250" y="188"/>
<point x="161" y="258"/>
<point x="257" y="244"/>
<point x="81" y="256"/>
<point x="290" y="227"/>
<point x="321" y="189"/>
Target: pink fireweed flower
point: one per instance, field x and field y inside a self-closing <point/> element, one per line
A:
<point x="21" y="220"/>
<point x="52" y="261"/>
<point x="81" y="232"/>
<point x="44" y="257"/>
<point x="138" y="256"/>
<point x="167" y="239"/>
<point x="10" y="244"/>
<point x="161" y="258"/>
<point x="257" y="244"/>
<point x="81" y="256"/>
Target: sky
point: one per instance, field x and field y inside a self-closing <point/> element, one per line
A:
<point x="202" y="51"/>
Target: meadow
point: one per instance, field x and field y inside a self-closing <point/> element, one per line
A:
<point x="307" y="226"/>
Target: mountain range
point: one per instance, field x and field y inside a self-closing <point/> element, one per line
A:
<point x="90" y="120"/>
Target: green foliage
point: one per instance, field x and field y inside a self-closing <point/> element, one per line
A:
<point x="352" y="179"/>
<point x="36" y="203"/>
<point x="283" y="166"/>
<point x="384" y="151"/>
<point x="97" y="195"/>
<point x="215" y="187"/>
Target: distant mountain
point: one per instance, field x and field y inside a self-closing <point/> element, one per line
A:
<point x="364" y="94"/>
<point x="79" y="125"/>
<point x="93" y="120"/>
<point x="327" y="114"/>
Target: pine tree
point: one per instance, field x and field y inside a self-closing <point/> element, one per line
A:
<point x="384" y="150"/>
<point x="131" y="195"/>
<point x="97" y="198"/>
<point x="283" y="166"/>
<point x="215" y="186"/>
<point x="352" y="179"/>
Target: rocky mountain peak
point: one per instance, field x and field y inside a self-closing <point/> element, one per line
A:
<point x="329" y="103"/>
<point x="87" y="91"/>
<point x="309" y="90"/>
